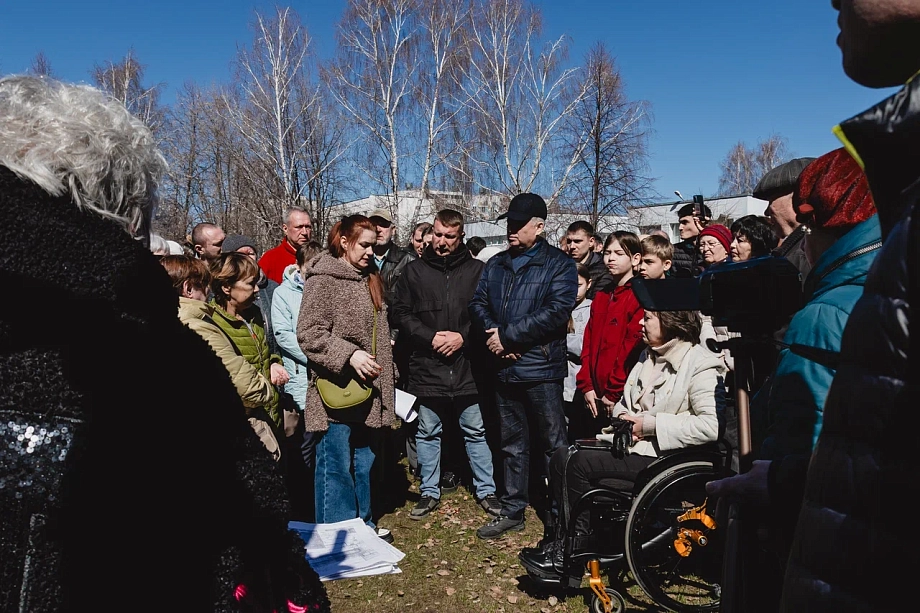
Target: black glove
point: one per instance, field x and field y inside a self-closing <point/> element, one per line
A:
<point x="620" y="435"/>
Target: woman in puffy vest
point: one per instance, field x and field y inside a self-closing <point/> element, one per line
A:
<point x="234" y="283"/>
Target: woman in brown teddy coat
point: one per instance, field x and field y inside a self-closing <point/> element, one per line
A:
<point x="342" y="298"/>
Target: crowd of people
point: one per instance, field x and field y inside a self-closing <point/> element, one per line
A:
<point x="286" y="395"/>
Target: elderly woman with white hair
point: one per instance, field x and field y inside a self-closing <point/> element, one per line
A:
<point x="123" y="477"/>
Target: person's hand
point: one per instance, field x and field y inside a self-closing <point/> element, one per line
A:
<point x="494" y="343"/>
<point x="636" y="422"/>
<point x="446" y="342"/>
<point x="700" y="223"/>
<point x="591" y="402"/>
<point x="749" y="487"/>
<point x="365" y="365"/>
<point x="279" y="376"/>
<point x="608" y="405"/>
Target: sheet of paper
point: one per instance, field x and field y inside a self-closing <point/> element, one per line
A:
<point x="405" y="406"/>
<point x="347" y="549"/>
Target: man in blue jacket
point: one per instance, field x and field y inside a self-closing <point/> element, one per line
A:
<point x="523" y="303"/>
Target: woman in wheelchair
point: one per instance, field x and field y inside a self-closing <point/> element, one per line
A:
<point x="672" y="400"/>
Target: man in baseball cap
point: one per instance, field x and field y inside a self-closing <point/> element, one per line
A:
<point x="522" y="304"/>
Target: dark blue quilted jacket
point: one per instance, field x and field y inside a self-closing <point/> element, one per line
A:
<point x="531" y="309"/>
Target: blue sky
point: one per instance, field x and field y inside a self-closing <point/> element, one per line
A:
<point x="715" y="71"/>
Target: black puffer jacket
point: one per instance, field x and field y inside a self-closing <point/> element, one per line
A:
<point x="600" y="276"/>
<point x="129" y="473"/>
<point x="792" y="249"/>
<point x="433" y="294"/>
<point x="852" y="548"/>
<point x="686" y="261"/>
<point x="531" y="309"/>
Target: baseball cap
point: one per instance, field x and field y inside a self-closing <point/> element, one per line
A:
<point x="524" y="207"/>
<point x="382" y="214"/>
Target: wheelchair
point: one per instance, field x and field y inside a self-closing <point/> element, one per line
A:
<point x="663" y="531"/>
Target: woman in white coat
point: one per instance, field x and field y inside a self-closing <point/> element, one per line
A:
<point x="674" y="397"/>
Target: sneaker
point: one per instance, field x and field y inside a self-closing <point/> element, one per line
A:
<point x="499" y="526"/>
<point x="449" y="482"/>
<point x="491" y="505"/>
<point x="424" y="506"/>
<point x="385" y="534"/>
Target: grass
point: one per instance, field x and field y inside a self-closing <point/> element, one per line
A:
<point x="447" y="568"/>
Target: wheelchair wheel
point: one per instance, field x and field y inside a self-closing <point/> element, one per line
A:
<point x="671" y="540"/>
<point x="619" y="605"/>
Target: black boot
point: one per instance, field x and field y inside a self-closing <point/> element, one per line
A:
<point x="544" y="563"/>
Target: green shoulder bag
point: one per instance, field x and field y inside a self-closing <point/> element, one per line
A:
<point x="355" y="392"/>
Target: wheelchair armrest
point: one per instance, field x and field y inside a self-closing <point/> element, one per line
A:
<point x="710" y="452"/>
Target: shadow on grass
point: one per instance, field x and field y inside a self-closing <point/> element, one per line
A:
<point x="618" y="580"/>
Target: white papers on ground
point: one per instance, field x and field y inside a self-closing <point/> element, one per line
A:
<point x="347" y="549"/>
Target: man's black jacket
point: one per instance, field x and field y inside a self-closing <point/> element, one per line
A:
<point x="600" y="276"/>
<point x="394" y="263"/>
<point x="686" y="259"/>
<point x="432" y="295"/>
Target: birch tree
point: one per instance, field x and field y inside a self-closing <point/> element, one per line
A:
<point x="606" y="140"/>
<point x="371" y="79"/>
<point x="124" y="82"/>
<point x="516" y="94"/>
<point x="743" y="166"/>
<point x="274" y="111"/>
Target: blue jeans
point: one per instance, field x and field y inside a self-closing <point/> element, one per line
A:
<point x="522" y="406"/>
<point x="431" y="412"/>
<point x="343" y="474"/>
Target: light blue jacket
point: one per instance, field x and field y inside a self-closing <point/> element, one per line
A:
<point x="285" y="311"/>
<point x="792" y="406"/>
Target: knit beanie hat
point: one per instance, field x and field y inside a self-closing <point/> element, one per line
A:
<point x="720" y="233"/>
<point x="235" y="241"/>
<point x="833" y="193"/>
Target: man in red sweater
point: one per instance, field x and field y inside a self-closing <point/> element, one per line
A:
<point x="298" y="230"/>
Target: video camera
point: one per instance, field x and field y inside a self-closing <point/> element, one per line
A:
<point x="755" y="297"/>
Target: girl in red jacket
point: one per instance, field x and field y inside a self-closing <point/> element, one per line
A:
<point x="613" y="336"/>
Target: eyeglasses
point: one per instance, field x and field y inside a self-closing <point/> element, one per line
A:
<point x="709" y="246"/>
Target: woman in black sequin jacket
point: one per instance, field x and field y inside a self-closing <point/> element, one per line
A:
<point x="126" y="481"/>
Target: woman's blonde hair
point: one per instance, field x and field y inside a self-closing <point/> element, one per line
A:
<point x="227" y="270"/>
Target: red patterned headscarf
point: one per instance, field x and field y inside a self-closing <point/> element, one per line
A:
<point x="833" y="193"/>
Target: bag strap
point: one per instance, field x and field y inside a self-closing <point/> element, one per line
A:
<point x="374" y="335"/>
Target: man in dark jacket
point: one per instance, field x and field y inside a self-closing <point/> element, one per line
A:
<point x="580" y="244"/>
<point x="523" y="303"/>
<point x="776" y="187"/>
<point x="687" y="260"/>
<point x="431" y="308"/>
<point x="389" y="258"/>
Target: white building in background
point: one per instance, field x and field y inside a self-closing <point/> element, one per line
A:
<point x="494" y="232"/>
<point x="644" y="219"/>
<point x="412" y="207"/>
<point x="481" y="211"/>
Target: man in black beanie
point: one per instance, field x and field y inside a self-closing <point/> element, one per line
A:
<point x="776" y="187"/>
